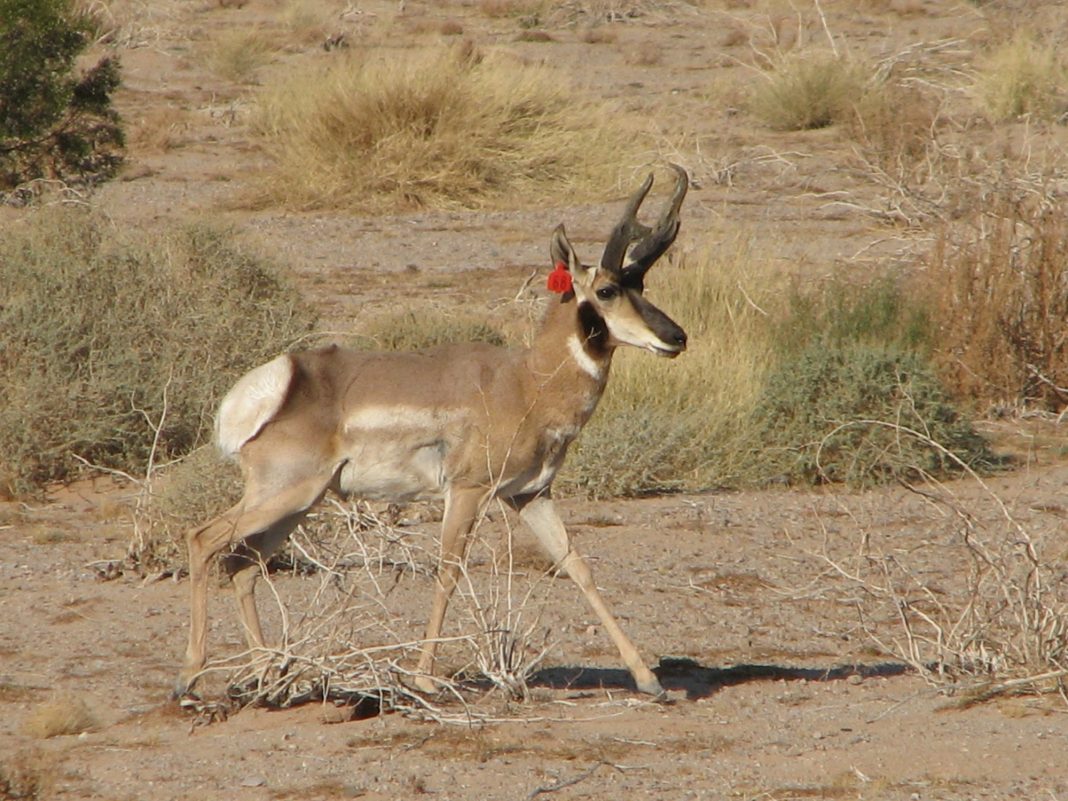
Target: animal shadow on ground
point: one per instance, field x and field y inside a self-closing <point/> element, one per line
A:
<point x="699" y="681"/>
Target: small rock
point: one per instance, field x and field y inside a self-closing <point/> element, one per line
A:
<point x="254" y="781"/>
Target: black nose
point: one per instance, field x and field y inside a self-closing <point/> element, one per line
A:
<point x="680" y="338"/>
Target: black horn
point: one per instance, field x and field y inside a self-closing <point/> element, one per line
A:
<point x="627" y="230"/>
<point x="657" y="240"/>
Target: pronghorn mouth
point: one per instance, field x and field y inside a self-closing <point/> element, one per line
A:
<point x="667" y="353"/>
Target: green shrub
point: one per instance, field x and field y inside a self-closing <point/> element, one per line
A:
<point x="840" y="311"/>
<point x="854" y="374"/>
<point x="861" y="414"/>
<point x="102" y="339"/>
<point x="53" y="124"/>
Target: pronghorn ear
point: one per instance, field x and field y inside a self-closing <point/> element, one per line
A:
<point x="562" y="253"/>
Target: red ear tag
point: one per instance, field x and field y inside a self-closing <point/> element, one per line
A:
<point x="559" y="279"/>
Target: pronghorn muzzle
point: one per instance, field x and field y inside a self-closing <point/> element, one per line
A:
<point x="667" y="330"/>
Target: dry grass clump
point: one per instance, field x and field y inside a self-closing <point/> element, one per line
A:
<point x="236" y="54"/>
<point x="664" y="425"/>
<point x="25" y="776"/>
<point x="443" y="128"/>
<point x="415" y="330"/>
<point x="113" y="350"/>
<point x="310" y="23"/>
<point x="895" y="125"/>
<point x="1022" y="77"/>
<point x="511" y="8"/>
<point x="804" y="90"/>
<point x="1001" y="288"/>
<point x="176" y="497"/>
<point x="63" y="715"/>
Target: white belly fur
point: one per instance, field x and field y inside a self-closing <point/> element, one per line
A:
<point x="394" y="471"/>
<point x="396" y="454"/>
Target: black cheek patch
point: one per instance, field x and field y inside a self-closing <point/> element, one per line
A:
<point x="594" y="329"/>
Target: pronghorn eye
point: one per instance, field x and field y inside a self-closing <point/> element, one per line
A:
<point x="608" y="292"/>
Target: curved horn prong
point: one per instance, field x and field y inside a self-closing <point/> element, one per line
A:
<point x="626" y="230"/>
<point x="653" y="245"/>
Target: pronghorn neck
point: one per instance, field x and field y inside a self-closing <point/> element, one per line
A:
<point x="572" y="343"/>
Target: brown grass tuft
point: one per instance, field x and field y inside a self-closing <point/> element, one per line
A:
<point x="895" y="125"/>
<point x="805" y="90"/>
<point x="1002" y="306"/>
<point x="25" y="776"/>
<point x="1022" y="76"/>
<point x="63" y="715"/>
<point x="236" y="54"/>
<point x="446" y="129"/>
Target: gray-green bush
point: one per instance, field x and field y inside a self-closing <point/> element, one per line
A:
<point x="861" y="414"/>
<point x="103" y="338"/>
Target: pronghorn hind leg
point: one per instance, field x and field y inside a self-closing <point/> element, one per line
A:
<point x="245" y="564"/>
<point x="540" y="515"/>
<point x="462" y="507"/>
<point x="261" y="524"/>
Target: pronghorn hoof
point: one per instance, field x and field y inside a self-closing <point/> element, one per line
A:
<point x="182" y="687"/>
<point x="652" y="687"/>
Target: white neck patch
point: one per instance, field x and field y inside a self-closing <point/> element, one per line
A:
<point x="585" y="362"/>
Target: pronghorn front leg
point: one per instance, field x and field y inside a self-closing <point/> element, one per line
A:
<point x="462" y="507"/>
<point x="540" y="515"/>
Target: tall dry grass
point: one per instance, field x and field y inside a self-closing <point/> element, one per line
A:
<point x="237" y="54"/>
<point x="1001" y="288"/>
<point x="803" y="90"/>
<point x="444" y="128"/>
<point x="1022" y="76"/>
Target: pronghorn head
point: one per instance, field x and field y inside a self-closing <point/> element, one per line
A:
<point x="612" y="309"/>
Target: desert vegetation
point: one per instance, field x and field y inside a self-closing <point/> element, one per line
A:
<point x="56" y="122"/>
<point x="116" y="349"/>
<point x="449" y="128"/>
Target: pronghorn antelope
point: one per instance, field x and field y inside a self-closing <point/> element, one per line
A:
<point x="467" y="423"/>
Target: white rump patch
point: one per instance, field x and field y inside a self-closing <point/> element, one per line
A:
<point x="586" y="363"/>
<point x="251" y="403"/>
